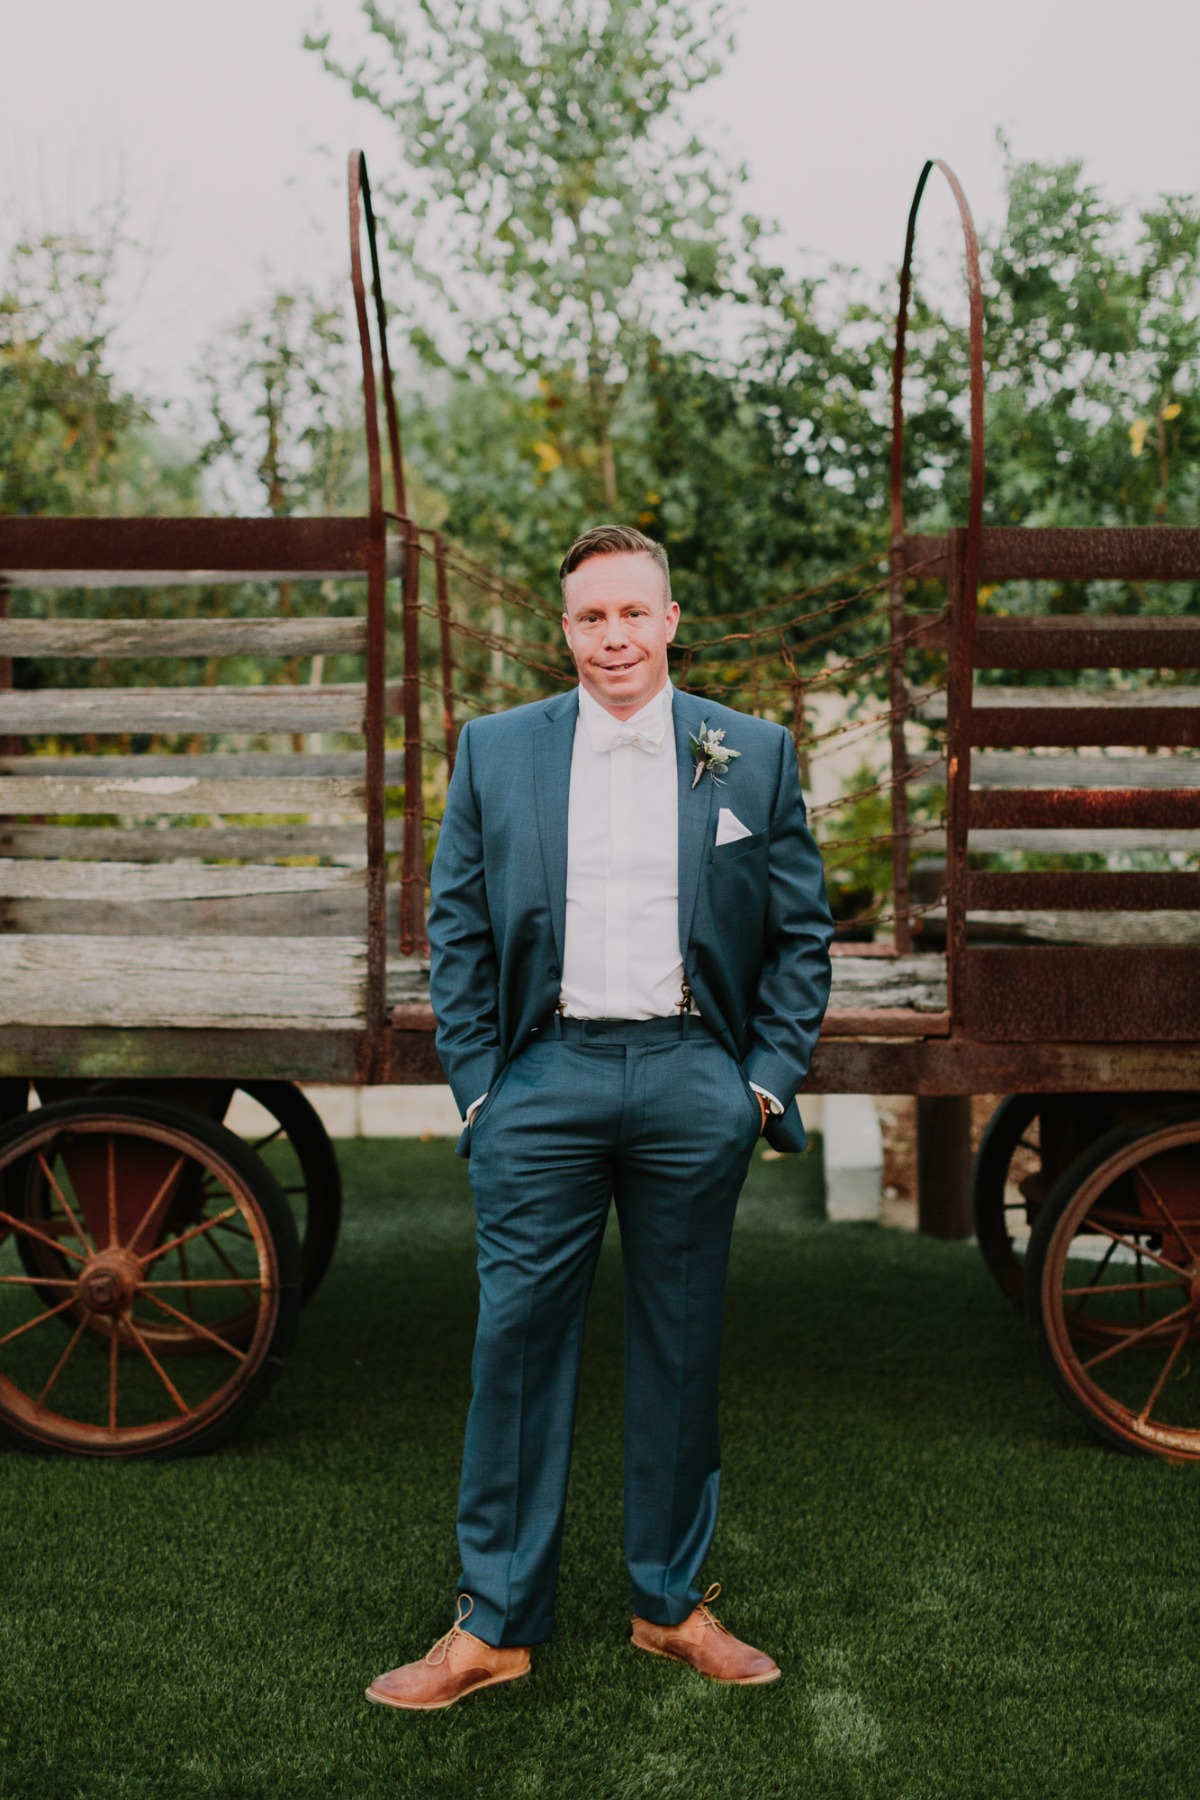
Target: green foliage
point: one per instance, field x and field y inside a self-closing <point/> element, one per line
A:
<point x="282" y="428"/>
<point x="553" y="212"/>
<point x="72" y="439"/>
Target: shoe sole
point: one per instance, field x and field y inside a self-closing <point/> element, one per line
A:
<point x="377" y="1699"/>
<point x="725" y="1680"/>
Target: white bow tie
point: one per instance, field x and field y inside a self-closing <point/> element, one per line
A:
<point x="608" y="733"/>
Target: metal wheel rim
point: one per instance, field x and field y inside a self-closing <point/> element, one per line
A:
<point x="1170" y="1335"/>
<point x="119" y="1330"/>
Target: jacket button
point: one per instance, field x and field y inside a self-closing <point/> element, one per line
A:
<point x="555" y="972"/>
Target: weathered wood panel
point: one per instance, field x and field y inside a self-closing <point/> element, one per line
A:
<point x="85" y="882"/>
<point x="86" y="552"/>
<point x="211" y="765"/>
<point x="1008" y="768"/>
<point x="183" y="637"/>
<point x="143" y="796"/>
<point x="179" y="709"/>
<point x="341" y="913"/>
<point x="300" y="983"/>
<point x="932" y="705"/>
<point x="1122" y="930"/>
<point x="109" y="843"/>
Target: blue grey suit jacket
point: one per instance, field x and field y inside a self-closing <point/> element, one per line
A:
<point x="754" y="923"/>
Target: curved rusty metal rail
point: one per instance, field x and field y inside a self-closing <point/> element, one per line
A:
<point x="962" y="594"/>
<point x="412" y="880"/>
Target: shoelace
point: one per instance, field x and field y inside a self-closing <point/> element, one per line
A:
<point x="708" y="1617"/>
<point x="462" y="1614"/>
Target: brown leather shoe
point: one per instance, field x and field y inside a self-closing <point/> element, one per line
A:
<point x="457" y="1665"/>
<point x="703" y="1642"/>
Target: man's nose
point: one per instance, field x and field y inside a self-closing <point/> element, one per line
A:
<point x="615" y="634"/>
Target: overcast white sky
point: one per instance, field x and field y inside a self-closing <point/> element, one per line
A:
<point x="230" y="141"/>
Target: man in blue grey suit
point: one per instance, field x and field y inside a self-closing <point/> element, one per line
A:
<point x="629" y="967"/>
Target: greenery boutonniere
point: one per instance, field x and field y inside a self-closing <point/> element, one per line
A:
<point x="710" y="752"/>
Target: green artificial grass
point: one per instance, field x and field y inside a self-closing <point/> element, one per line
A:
<point x="969" y="1595"/>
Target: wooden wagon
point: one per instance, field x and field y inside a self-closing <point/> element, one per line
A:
<point x="181" y="929"/>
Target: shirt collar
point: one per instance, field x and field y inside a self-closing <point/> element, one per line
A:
<point x="595" y="717"/>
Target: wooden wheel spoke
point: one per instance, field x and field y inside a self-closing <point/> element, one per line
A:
<point x="270" y="1138"/>
<point x="37" y="1281"/>
<point x="1095" y="1281"/>
<point x="238" y="1281"/>
<point x="1136" y="1337"/>
<point x="152" y="1209"/>
<point x="76" y="1227"/>
<point x="148" y="1353"/>
<point x="232" y="1267"/>
<point x="1165" y="1371"/>
<point x="1162" y="1206"/>
<point x="195" y="1326"/>
<point x="1128" y="1287"/>
<point x="63" y="1360"/>
<point x="111" y="1169"/>
<point x="114" y="1352"/>
<point x="187" y="1236"/>
<point x="1138" y="1249"/>
<point x="41" y="1318"/>
<point x="33" y="1232"/>
<point x="239" y="1231"/>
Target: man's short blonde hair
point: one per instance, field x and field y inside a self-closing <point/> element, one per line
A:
<point x="614" y="540"/>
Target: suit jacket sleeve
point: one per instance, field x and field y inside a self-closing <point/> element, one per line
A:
<point x="793" y="989"/>
<point x="464" y="979"/>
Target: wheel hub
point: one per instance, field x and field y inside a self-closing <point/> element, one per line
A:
<point x="109" y="1282"/>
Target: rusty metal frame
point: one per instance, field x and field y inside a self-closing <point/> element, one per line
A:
<point x="1031" y="994"/>
<point x="962" y="582"/>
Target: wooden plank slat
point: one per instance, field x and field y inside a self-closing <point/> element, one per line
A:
<point x="1084" y="843"/>
<point x="1011" y="769"/>
<point x="189" y="983"/>
<point x="931" y="706"/>
<point x="1132" y="993"/>
<point x="916" y="983"/>
<point x="84" y="882"/>
<point x="134" y="552"/>
<point x="217" y="763"/>
<point x="143" y="797"/>
<point x="1065" y="553"/>
<point x="150" y="844"/>
<point x="256" y="709"/>
<point x="183" y="637"/>
<point x="1100" y="929"/>
<point x="1070" y="642"/>
<point x="1162" y="809"/>
<point x="1157" y="890"/>
<point x="1088" y="642"/>
<point x="1060" y="727"/>
<point x="337" y="912"/>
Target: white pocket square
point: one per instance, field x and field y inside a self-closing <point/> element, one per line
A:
<point x="730" y="827"/>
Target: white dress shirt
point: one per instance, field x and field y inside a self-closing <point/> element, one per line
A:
<point x="621" y="954"/>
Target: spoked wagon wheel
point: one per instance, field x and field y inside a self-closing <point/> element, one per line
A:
<point x="301" y="1156"/>
<point x="1008" y="1158"/>
<point x="1113" y="1284"/>
<point x="155" y="1229"/>
<point x="292" y="1142"/>
<point x="1026" y="1143"/>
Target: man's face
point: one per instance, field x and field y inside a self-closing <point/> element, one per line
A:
<point x="618" y="623"/>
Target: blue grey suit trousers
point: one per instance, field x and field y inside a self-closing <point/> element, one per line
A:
<point x="656" y="1115"/>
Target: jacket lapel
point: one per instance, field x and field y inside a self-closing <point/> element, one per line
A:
<point x="695" y="811"/>
<point x="553" y="743"/>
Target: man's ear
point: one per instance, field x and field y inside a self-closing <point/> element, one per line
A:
<point x="672" y="619"/>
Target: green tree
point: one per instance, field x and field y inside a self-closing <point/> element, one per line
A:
<point x="553" y="212"/>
